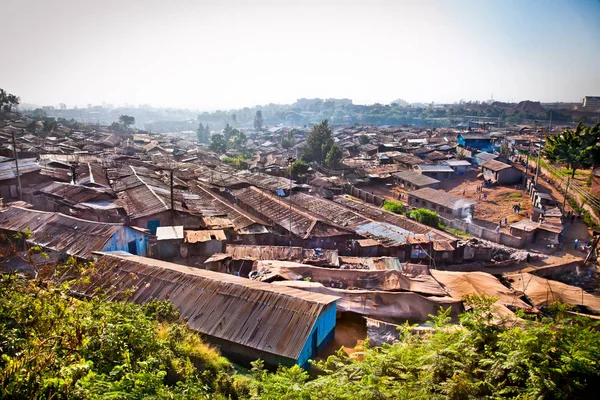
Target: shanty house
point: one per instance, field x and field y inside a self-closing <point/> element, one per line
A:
<point x="482" y="157"/>
<point x="460" y="167"/>
<point x="203" y="243"/>
<point x="413" y="180"/>
<point x="29" y="171"/>
<point x="501" y="173"/>
<point x="436" y="171"/>
<point x="168" y="239"/>
<point x="443" y="203"/>
<point x="246" y="319"/>
<point x="72" y="236"/>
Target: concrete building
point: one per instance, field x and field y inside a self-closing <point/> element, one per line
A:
<point x="413" y="180"/>
<point x="501" y="173"/>
<point x="591" y="102"/>
<point x="443" y="203"/>
<point x="436" y="171"/>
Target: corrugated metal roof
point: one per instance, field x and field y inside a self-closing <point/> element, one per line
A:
<point x="8" y="169"/>
<point x="59" y="232"/>
<point x="258" y="315"/>
<point x="204" y="236"/>
<point x="302" y="224"/>
<point x="169" y="232"/>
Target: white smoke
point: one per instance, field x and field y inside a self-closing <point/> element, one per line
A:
<point x="466" y="212"/>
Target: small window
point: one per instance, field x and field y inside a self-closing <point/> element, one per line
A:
<point x="213" y="237"/>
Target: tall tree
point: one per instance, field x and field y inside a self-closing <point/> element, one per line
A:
<point x="201" y="133"/>
<point x="258" y="120"/>
<point x="318" y="142"/>
<point x="218" y="144"/>
<point x="8" y="101"/>
<point x="288" y="140"/>
<point x="569" y="147"/>
<point x="334" y="156"/>
<point x="591" y="139"/>
<point x="363" y="139"/>
<point x="126" y="120"/>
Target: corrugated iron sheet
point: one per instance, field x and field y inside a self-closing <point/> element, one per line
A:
<point x="204" y="236"/>
<point x="8" y="169"/>
<point x="258" y="315"/>
<point x="169" y="232"/>
<point x="59" y="232"/>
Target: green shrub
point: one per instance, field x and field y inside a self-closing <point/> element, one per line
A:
<point x="393" y="206"/>
<point x="426" y="217"/>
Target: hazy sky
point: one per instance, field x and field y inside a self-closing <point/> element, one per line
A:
<point x="229" y="53"/>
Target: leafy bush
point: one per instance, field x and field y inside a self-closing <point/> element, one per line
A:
<point x="425" y="216"/>
<point x="393" y="206"/>
<point x="56" y="346"/>
<point x="515" y="195"/>
<point x="480" y="358"/>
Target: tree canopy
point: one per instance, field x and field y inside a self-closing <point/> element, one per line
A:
<point x="334" y="156"/>
<point x="258" y="120"/>
<point x="218" y="144"/>
<point x="8" y="101"/>
<point x="126" y="120"/>
<point x="202" y="134"/>
<point x="318" y="143"/>
<point x="577" y="148"/>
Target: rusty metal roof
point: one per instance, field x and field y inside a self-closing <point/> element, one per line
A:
<point x="59" y="232"/>
<point x="203" y="236"/>
<point x="92" y="174"/>
<point x="235" y="214"/>
<point x="258" y="315"/>
<point x="74" y="194"/>
<point x="302" y="224"/>
<point x="8" y="169"/>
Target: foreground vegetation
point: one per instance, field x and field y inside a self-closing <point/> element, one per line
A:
<point x="56" y="346"/>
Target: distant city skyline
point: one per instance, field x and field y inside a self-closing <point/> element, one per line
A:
<point x="230" y="54"/>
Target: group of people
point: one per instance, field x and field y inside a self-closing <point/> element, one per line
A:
<point x="573" y="217"/>
<point x="500" y="224"/>
<point x="516" y="208"/>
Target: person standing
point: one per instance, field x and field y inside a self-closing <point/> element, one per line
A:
<point x="576" y="242"/>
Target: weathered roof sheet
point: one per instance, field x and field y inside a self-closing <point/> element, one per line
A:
<point x="441" y="198"/>
<point x="434" y="168"/>
<point x="8" y="169"/>
<point x="495" y="165"/>
<point x="203" y="236"/>
<point x="258" y="315"/>
<point x="59" y="232"/>
<point x="169" y="232"/>
<point x="416" y="178"/>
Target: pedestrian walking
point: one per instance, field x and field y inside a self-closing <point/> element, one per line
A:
<point x="505" y="221"/>
<point x="576" y="241"/>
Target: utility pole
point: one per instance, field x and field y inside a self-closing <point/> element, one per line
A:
<point x="537" y="166"/>
<point x="172" y="198"/>
<point x="17" y="165"/>
<point x="527" y="163"/>
<point x="566" y="191"/>
<point x="290" y="162"/>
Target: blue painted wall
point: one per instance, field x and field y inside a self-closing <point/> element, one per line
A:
<point x="324" y="330"/>
<point x="120" y="241"/>
<point x="481" y="144"/>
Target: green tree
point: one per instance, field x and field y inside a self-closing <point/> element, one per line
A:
<point x="48" y="125"/>
<point x="299" y="167"/>
<point x="393" y="206"/>
<point x="288" y="141"/>
<point x="363" y="139"/>
<point x="334" y="156"/>
<point x="258" y="120"/>
<point x="218" y="144"/>
<point x="235" y="139"/>
<point x="591" y="141"/>
<point x="126" y="120"/>
<point x="318" y="143"/>
<point x="570" y="148"/>
<point x="201" y="134"/>
<point x="8" y="101"/>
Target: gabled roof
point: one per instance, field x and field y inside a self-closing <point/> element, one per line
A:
<point x="495" y="165"/>
<point x="416" y="178"/>
<point x="59" y="232"/>
<point x="261" y="316"/>
<point x="441" y="198"/>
